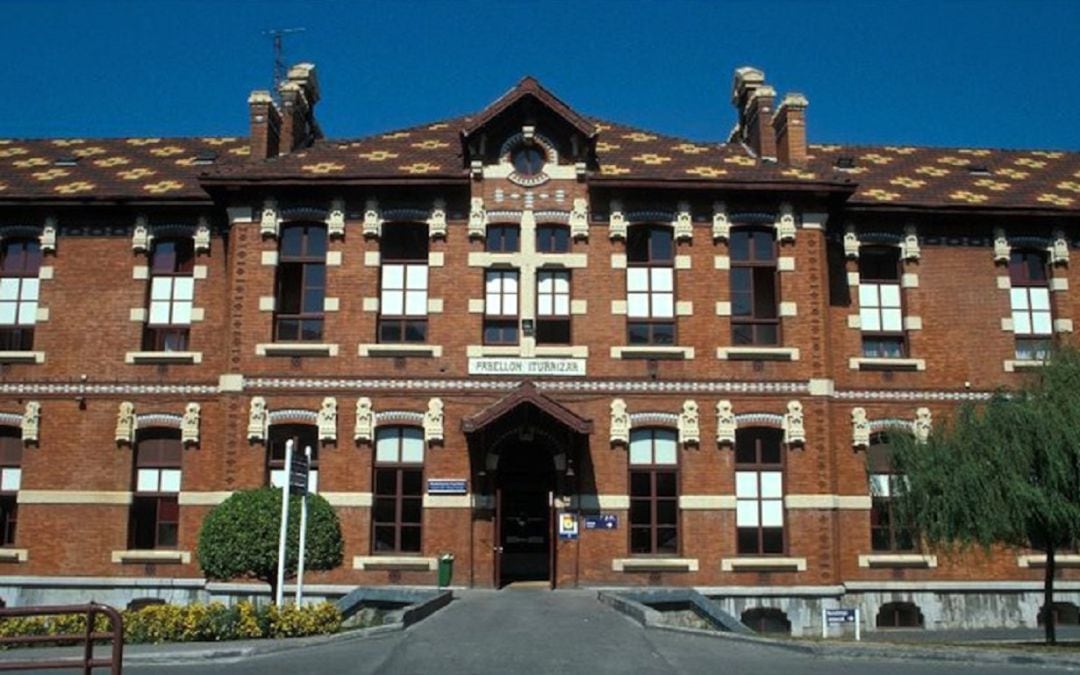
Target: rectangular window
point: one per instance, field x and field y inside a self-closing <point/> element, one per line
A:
<point x="301" y="283"/>
<point x="1029" y="298"/>
<point x="502" y="239"/>
<point x="759" y="491"/>
<point x="501" y="307"/>
<point x="654" y="492"/>
<point x="553" y="307"/>
<point x="880" y="303"/>
<point x="155" y="511"/>
<point x="403" y="284"/>
<point x="397" y="511"/>
<point x="11" y="449"/>
<point x="650" y="285"/>
<point x="886" y="531"/>
<point x="172" y="293"/>
<point x="755" y="317"/>
<point x="305" y="436"/>
<point x="20" y="263"/>
<point x="552" y="239"/>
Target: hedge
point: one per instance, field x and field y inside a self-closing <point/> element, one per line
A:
<point x="191" y="623"/>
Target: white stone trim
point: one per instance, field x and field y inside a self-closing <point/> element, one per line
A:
<point x="476" y="306"/>
<point x="618" y="261"/>
<point x="42" y="314"/>
<point x="1058" y="284"/>
<point x="763" y="564"/>
<point x="348" y="499"/>
<point x="683" y="262"/>
<point x="1007" y="324"/>
<point x="785" y="263"/>
<point x="140" y="272"/>
<point x="909" y="280"/>
<point x="706" y="502"/>
<point x="885" y="363"/>
<point x="403" y="349"/>
<point x="722" y="262"/>
<point x="613" y="502"/>
<point x="723" y="308"/>
<point x="900" y="560"/>
<point x="1012" y="365"/>
<point x="854" y="321"/>
<point x="789" y="309"/>
<point x="653" y="352"/>
<point x="912" y="323"/>
<point x="228" y="382"/>
<point x="200" y="272"/>
<point x="565" y="351"/>
<point x="14" y="555"/>
<point x="161" y="556"/>
<point x="436" y="259"/>
<point x="1063" y="325"/>
<point x="45" y="272"/>
<point x="198" y="314"/>
<point x="269" y="258"/>
<point x="821" y="387"/>
<point x="684" y="308"/>
<point x="757" y="353"/>
<point x="1070" y="560"/>
<point x="371" y="258"/>
<point x="829" y="502"/>
<point x="95" y="497"/>
<point x="400" y="562"/>
<point x="333" y="258"/>
<point x="194" y="498"/>
<point x="448" y="501"/>
<point x="618" y="307"/>
<point x="579" y="307"/>
<point x="296" y="349"/>
<point x="162" y="357"/>
<point x="654" y="565"/>
<point x="331" y="304"/>
<point x="480" y="351"/>
<point x="267" y="303"/>
<point x="435" y="305"/>
<point x="370" y="304"/>
<point x="1004" y="283"/>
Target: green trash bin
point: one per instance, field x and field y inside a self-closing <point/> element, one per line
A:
<point x="446" y="569"/>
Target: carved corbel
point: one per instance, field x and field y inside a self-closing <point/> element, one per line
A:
<point x="725" y="423"/>
<point x="689" y="424"/>
<point x="140" y="235"/>
<point x="189" y="424"/>
<point x="683" y="223"/>
<point x="335" y="219"/>
<point x="201" y="238"/>
<point x="924" y="422"/>
<point x="785" y="223"/>
<point x="721" y="228"/>
<point x="327" y="419"/>
<point x="270" y="221"/>
<point x="437" y="220"/>
<point x="851" y="243"/>
<point x="1002" y="250"/>
<point x="365" y="420"/>
<point x="579" y="219"/>
<point x="48" y="236"/>
<point x="258" y="420"/>
<point x="30" y="422"/>
<point x="616" y="221"/>
<point x="433" y="421"/>
<point x="794" y="428"/>
<point x="909" y="245"/>
<point x="126" y="424"/>
<point x="477" y="218"/>
<point x="860" y="428"/>
<point x="372" y="219"/>
<point x="1059" y="250"/>
<point x="620" y="423"/>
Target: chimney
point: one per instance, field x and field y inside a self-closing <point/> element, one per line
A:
<point x="753" y="99"/>
<point x="265" y="125"/>
<point x="299" y="94"/>
<point x="790" y="125"/>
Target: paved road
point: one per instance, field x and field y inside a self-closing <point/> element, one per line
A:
<point x="524" y="632"/>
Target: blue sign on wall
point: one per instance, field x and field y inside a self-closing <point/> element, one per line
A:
<point x="447" y="486"/>
<point x="602" y="522"/>
<point x="835" y="617"/>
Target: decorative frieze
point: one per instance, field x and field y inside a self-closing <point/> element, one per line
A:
<point x="433" y="421"/>
<point x="258" y="420"/>
<point x="785" y="223"/>
<point x="48" y="236"/>
<point x="689" y="424"/>
<point x="794" y="428"/>
<point x="683" y="223"/>
<point x="1059" y="249"/>
<point x="860" y="428"/>
<point x="437" y="220"/>
<point x="189" y="424"/>
<point x="202" y="236"/>
<point x="1002" y="250"/>
<point x="851" y="243"/>
<point x="909" y="244"/>
<point x="620" y="423"/>
<point x="125" y="424"/>
<point x="725" y="423"/>
<point x="327" y="419"/>
<point x="140" y="235"/>
<point x="364" y="424"/>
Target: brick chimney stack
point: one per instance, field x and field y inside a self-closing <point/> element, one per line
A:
<point x="265" y="125"/>
<point x="754" y="101"/>
<point x="790" y="125"/>
<point x="299" y="94"/>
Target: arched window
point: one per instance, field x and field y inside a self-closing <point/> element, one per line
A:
<point x="155" y="511"/>
<point x="20" y="263"/>
<point x="301" y="283"/>
<point x="650" y="285"/>
<point x="880" y="306"/>
<point x="755" y="317"/>
<point x="887" y="531"/>
<point x="172" y="291"/>
<point x="306" y="436"/>
<point x="899" y="615"/>
<point x="654" y="491"/>
<point x="766" y="620"/>
<point x="11" y="450"/>
<point x="1029" y="296"/>
<point x="397" y="513"/>
<point x="403" y="286"/>
<point x="759" y="490"/>
<point x="552" y="239"/>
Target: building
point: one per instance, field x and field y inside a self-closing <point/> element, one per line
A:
<point x="496" y="328"/>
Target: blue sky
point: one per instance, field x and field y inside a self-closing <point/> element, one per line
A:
<point x="994" y="74"/>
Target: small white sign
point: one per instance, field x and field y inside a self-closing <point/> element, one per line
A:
<point x="532" y="367"/>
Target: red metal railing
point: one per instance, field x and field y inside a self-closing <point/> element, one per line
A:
<point x="87" y="662"/>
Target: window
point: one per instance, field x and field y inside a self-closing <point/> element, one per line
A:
<point x="20" y="262"/>
<point x="553" y="307"/>
<point x="654" y="492"/>
<point x="754" y="294"/>
<point x="502" y="239"/>
<point x="1029" y="296"/>
<point x="501" y="307"/>
<point x="396" y="518"/>
<point x="403" y="302"/>
<point x="11" y="449"/>
<point x="306" y="436"/>
<point x="899" y="615"/>
<point x="759" y="491"/>
<point x="552" y="239"/>
<point x="301" y="283"/>
<point x="155" y="511"/>
<point x="650" y="286"/>
<point x="880" y="313"/>
<point x="172" y="290"/>
<point x="887" y="533"/>
<point x="528" y="160"/>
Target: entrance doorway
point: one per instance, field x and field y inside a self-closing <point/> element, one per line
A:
<point x="525" y="484"/>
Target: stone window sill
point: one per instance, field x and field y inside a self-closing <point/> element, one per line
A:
<point x="1066" y="560"/>
<point x="898" y="560"/>
<point x="564" y="351"/>
<point x="763" y="564"/>
<point x="399" y="350"/>
<point x="396" y="563"/>
<point x="480" y="351"/>
<point x="296" y="349"/>
<point x="162" y="357"/>
<point x="868" y="363"/>
<point x="1022" y="364"/>
<point x="653" y="352"/>
<point x="164" y="557"/>
<point x="757" y="353"/>
<point x="14" y="555"/>
<point x="654" y="565"/>
<point x="22" y="357"/>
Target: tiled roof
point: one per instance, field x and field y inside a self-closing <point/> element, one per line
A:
<point x="114" y="168"/>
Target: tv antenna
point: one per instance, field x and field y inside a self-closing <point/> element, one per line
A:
<point x="278" y="35"/>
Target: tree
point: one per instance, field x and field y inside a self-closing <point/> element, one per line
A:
<point x="239" y="537"/>
<point x="1003" y="473"/>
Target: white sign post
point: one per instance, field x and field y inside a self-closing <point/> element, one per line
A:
<point x="303" y="533"/>
<point x="279" y="596"/>
<point x="839" y="617"/>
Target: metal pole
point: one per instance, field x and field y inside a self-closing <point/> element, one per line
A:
<point x="303" y="532"/>
<point x="858" y="624"/>
<point x="279" y="596"/>
<point x="824" y="626"/>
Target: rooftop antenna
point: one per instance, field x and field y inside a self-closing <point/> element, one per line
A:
<point x="280" y="72"/>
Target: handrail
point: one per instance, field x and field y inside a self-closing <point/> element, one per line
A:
<point x="87" y="638"/>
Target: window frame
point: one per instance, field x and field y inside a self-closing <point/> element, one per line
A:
<point x="880" y="445"/>
<point x="550" y="235"/>
<point x="149" y="504"/>
<point x="653" y="470"/>
<point x="759" y="467"/>
<point x="409" y="328"/>
<point x="305" y="434"/>
<point x="752" y="263"/>
<point x="306" y="261"/>
<point x="18" y="335"/>
<point x="881" y="337"/>
<point x="650" y="329"/>
<point x="398" y="469"/>
<point x="11" y="453"/>
<point x="169" y="335"/>
<point x="1030" y="345"/>
<point x="564" y="321"/>
<point x="503" y="324"/>
<point x="497" y="239"/>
